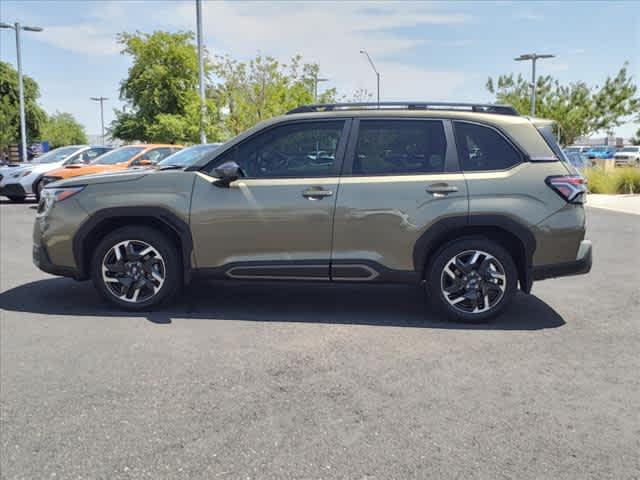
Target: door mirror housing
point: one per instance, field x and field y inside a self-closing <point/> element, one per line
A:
<point x="228" y="172"/>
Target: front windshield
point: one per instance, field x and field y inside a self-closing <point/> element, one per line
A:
<point x="188" y="156"/>
<point x="119" y="155"/>
<point x="56" y="155"/>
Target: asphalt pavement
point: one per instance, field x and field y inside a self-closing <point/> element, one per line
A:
<point x="254" y="380"/>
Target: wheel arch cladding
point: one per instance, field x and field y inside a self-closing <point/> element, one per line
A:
<point x="510" y="234"/>
<point x="105" y="221"/>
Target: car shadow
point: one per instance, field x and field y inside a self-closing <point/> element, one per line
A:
<point x="6" y="201"/>
<point x="378" y="305"/>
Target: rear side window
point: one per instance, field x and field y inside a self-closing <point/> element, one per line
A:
<point x="400" y="147"/>
<point x="481" y="148"/>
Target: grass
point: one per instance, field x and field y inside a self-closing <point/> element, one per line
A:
<point x="621" y="180"/>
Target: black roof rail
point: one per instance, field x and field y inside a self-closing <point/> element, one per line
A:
<point x="470" y="107"/>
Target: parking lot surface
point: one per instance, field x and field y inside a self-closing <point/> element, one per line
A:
<point x="294" y="381"/>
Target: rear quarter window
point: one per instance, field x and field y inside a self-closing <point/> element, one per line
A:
<point x="482" y="148"/>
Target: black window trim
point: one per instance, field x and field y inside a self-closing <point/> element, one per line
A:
<point x="451" y="156"/>
<point x="524" y="158"/>
<point x="337" y="164"/>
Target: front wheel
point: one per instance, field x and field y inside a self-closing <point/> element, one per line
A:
<point x="136" y="268"/>
<point x="16" y="198"/>
<point x="472" y="279"/>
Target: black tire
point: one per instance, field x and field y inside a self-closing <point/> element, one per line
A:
<point x="37" y="190"/>
<point x="16" y="199"/>
<point x="172" y="270"/>
<point x="435" y="272"/>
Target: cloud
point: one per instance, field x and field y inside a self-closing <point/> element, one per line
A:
<point x="82" y="38"/>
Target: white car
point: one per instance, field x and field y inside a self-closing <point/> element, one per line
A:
<point x="23" y="179"/>
<point x="627" y="156"/>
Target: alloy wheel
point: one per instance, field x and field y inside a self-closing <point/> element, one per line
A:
<point x="133" y="271"/>
<point x="473" y="281"/>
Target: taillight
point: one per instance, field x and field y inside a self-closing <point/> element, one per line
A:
<point x="570" y="187"/>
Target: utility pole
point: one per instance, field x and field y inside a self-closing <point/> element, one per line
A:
<point x="364" y="52"/>
<point x="317" y="79"/>
<point x="533" y="57"/>
<point x="101" y="100"/>
<point x="203" y="136"/>
<point x="23" y="126"/>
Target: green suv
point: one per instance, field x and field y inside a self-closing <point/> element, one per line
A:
<point x="472" y="201"/>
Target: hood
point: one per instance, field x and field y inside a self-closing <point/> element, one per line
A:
<point x="122" y="176"/>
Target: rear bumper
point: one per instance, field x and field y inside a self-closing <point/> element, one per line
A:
<point x="581" y="265"/>
<point x="13" y="190"/>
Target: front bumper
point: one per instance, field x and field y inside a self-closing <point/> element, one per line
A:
<point x="13" y="190"/>
<point x="43" y="262"/>
<point x="581" y="265"/>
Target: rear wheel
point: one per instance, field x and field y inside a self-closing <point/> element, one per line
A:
<point x="472" y="279"/>
<point x="136" y="268"/>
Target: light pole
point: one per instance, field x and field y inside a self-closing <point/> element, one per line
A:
<point x="364" y="52"/>
<point x="533" y="57"/>
<point x="101" y="100"/>
<point x="316" y="80"/>
<point x="203" y="136"/>
<point x="23" y="127"/>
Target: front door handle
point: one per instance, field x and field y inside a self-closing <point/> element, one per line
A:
<point x="316" y="193"/>
<point x="441" y="189"/>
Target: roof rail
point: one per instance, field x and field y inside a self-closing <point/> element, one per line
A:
<point x="471" y="107"/>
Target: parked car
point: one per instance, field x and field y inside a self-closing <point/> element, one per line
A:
<point x="628" y="157"/>
<point x="577" y="160"/>
<point x="187" y="156"/>
<point x="17" y="181"/>
<point x="601" y="152"/>
<point x="130" y="156"/>
<point x="403" y="201"/>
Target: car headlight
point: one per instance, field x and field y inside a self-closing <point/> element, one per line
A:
<point x="50" y="196"/>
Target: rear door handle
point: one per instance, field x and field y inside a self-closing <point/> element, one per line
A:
<point x="440" y="189"/>
<point x="316" y="193"/>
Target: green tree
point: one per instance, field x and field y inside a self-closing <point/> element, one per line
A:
<point x="262" y="88"/>
<point x="160" y="91"/>
<point x="636" y="140"/>
<point x="62" y="129"/>
<point x="577" y="108"/>
<point x="10" y="107"/>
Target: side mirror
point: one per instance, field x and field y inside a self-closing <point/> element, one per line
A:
<point x="228" y="172"/>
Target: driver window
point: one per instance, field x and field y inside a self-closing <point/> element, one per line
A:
<point x="306" y="149"/>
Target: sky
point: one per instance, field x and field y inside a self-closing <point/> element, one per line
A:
<point x="432" y="51"/>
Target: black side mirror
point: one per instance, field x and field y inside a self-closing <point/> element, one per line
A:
<point x="228" y="172"/>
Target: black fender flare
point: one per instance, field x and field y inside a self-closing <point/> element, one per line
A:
<point x="161" y="214"/>
<point x="432" y="237"/>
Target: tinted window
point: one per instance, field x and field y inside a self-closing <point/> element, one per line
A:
<point x="482" y="148"/>
<point x="400" y="146"/>
<point x="297" y="150"/>
<point x="155" y="155"/>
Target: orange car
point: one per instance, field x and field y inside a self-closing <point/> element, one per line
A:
<point x="115" y="160"/>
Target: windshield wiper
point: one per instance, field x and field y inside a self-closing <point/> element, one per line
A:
<point x="171" y="167"/>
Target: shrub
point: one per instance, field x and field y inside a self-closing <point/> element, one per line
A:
<point x="628" y="180"/>
<point x="621" y="180"/>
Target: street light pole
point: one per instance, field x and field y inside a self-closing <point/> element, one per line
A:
<point x="23" y="126"/>
<point x="203" y="136"/>
<point x="533" y="57"/>
<point x="364" y="52"/>
<point x="101" y="100"/>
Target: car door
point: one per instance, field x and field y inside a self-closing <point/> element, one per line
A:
<point x="400" y="177"/>
<point x="276" y="221"/>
